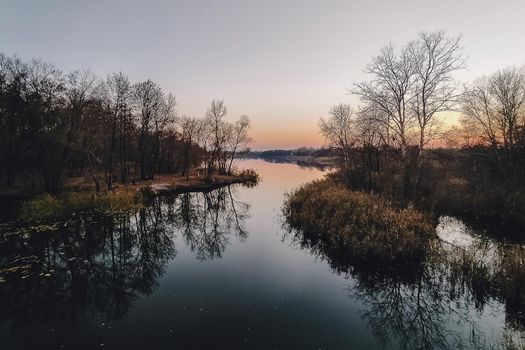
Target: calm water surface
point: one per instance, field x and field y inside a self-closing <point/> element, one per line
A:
<point x="218" y="270"/>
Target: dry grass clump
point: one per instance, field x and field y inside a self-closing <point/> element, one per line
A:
<point x="368" y="227"/>
<point x="46" y="205"/>
<point x="249" y="175"/>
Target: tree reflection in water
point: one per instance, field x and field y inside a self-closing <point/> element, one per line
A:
<point x="95" y="264"/>
<point x="207" y="221"/>
<point x="440" y="303"/>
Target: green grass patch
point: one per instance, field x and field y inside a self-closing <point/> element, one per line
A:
<point x="47" y="205"/>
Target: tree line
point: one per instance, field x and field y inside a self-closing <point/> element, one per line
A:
<point x="55" y="124"/>
<point x="384" y="144"/>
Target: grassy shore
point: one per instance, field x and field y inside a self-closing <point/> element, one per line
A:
<point x="46" y="205"/>
<point x="170" y="184"/>
<point x="360" y="225"/>
<point x="79" y="194"/>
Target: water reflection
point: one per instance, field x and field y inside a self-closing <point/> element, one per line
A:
<point x="465" y="283"/>
<point x="96" y="264"/>
<point x="208" y="220"/>
<point x="485" y="270"/>
<point x="301" y="162"/>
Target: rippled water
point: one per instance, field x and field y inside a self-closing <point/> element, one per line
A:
<point x="218" y="270"/>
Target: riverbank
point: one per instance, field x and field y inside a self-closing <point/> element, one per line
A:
<point x="79" y="194"/>
<point x="170" y="184"/>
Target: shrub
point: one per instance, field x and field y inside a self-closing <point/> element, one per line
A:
<point x="250" y="176"/>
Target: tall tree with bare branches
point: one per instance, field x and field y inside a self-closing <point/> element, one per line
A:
<point x="238" y="138"/>
<point x="496" y="105"/>
<point x="389" y="90"/>
<point x="339" y="131"/>
<point x="148" y="104"/>
<point x="117" y="95"/>
<point x="436" y="57"/>
<point x="214" y="119"/>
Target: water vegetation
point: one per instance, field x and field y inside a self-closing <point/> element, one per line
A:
<point x="461" y="279"/>
<point x="364" y="226"/>
<point x="415" y="279"/>
<point x="47" y="205"/>
<point x="250" y="177"/>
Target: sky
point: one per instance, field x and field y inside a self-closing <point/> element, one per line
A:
<point x="282" y="62"/>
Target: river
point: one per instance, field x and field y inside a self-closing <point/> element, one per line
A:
<point x="220" y="271"/>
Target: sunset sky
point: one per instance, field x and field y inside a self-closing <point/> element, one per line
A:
<point x="283" y="63"/>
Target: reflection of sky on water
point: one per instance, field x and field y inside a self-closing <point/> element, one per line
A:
<point x="218" y="270"/>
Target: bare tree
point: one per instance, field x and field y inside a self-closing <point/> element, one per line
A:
<point x="389" y="90"/>
<point x="215" y="119"/>
<point x="238" y="138"/>
<point x="117" y="98"/>
<point x="162" y="121"/>
<point x="78" y="92"/>
<point x="148" y="104"/>
<point x="508" y="88"/>
<point x="467" y="134"/>
<point x="496" y="104"/>
<point x="339" y="131"/>
<point x="204" y="140"/>
<point x="371" y="128"/>
<point x="190" y="130"/>
<point x="435" y="58"/>
<point x="373" y="137"/>
<point x="43" y="93"/>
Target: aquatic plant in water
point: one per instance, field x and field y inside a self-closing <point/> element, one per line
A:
<point x="47" y="205"/>
<point x="362" y="226"/>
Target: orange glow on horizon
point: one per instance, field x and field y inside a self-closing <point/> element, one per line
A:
<point x="284" y="138"/>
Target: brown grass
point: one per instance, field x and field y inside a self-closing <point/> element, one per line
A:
<point x="365" y="225"/>
<point x="46" y="205"/>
